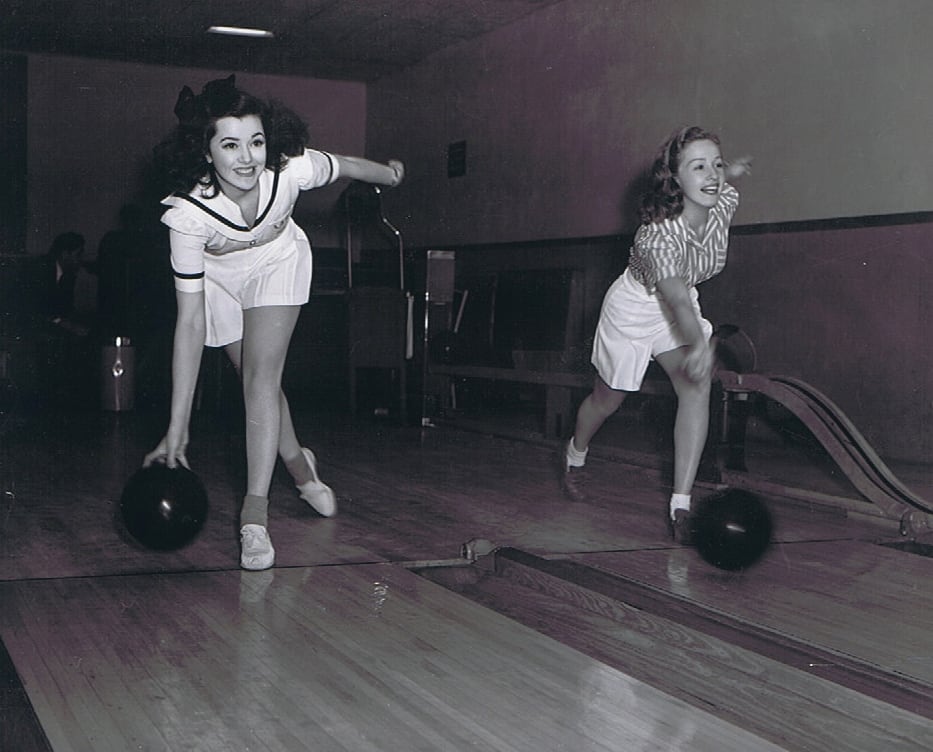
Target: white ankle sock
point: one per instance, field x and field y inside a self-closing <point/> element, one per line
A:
<point x="679" y="501"/>
<point x="575" y="458"/>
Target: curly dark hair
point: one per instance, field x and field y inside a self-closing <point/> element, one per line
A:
<point x="665" y="198"/>
<point x="182" y="156"/>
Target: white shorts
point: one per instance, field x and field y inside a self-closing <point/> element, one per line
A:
<point x="278" y="273"/>
<point x="633" y="327"/>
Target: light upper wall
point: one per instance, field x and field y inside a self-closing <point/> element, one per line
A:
<point x="563" y="110"/>
<point x="561" y="113"/>
<point x="92" y="125"/>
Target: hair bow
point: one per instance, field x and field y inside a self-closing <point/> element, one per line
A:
<point x="217" y="97"/>
<point x="186" y="106"/>
<point x="220" y="96"/>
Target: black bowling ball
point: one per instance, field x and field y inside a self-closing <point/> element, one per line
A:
<point x="163" y="509"/>
<point x="732" y="529"/>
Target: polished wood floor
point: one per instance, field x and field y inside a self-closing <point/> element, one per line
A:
<point x="457" y="602"/>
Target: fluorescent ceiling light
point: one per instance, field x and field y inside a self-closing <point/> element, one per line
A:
<point x="240" y="31"/>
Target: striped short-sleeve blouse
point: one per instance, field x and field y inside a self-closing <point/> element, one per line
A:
<point x="669" y="248"/>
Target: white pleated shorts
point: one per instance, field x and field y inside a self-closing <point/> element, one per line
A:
<point x="634" y="326"/>
<point x="275" y="274"/>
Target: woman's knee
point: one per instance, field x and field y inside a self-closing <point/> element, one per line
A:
<point x="606" y="400"/>
<point x="261" y="375"/>
<point x="692" y="394"/>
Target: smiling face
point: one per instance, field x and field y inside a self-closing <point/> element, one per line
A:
<point x="238" y="153"/>
<point x="701" y="174"/>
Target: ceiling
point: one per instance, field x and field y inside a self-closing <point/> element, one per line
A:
<point x="357" y="40"/>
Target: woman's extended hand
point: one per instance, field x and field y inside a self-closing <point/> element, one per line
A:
<point x="698" y="364"/>
<point x="398" y="170"/>
<point x="170" y="452"/>
<point x="739" y="167"/>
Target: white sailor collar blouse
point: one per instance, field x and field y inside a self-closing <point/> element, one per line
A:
<point x="214" y="224"/>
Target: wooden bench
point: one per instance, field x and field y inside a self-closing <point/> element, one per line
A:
<point x="559" y="386"/>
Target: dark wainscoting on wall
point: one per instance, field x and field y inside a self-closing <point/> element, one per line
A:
<point x="13" y="206"/>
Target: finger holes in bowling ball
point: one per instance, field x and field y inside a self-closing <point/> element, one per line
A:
<point x="163" y="508"/>
<point x="732" y="529"/>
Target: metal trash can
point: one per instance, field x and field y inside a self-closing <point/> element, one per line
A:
<point x="117" y="375"/>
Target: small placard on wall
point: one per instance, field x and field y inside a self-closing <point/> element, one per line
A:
<point x="456" y="159"/>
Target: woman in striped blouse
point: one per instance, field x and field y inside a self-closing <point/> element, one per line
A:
<point x="652" y="310"/>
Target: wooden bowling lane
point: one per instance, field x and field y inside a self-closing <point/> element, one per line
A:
<point x="353" y="657"/>
<point x="171" y="639"/>
<point x="64" y="476"/>
<point x="403" y="495"/>
<point x="862" y="599"/>
<point x="761" y="679"/>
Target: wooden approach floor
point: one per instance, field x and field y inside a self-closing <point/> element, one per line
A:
<point x="578" y="627"/>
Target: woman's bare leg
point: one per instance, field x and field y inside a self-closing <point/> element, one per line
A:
<point x="599" y="404"/>
<point x="602" y="402"/>
<point x="267" y="332"/>
<point x="289" y="447"/>
<point x="300" y="463"/>
<point x="692" y="422"/>
<point x="690" y="430"/>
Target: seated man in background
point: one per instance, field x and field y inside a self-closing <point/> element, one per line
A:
<point x="63" y="262"/>
<point x="66" y="352"/>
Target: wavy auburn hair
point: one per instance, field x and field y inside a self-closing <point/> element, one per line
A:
<point x="665" y="198"/>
